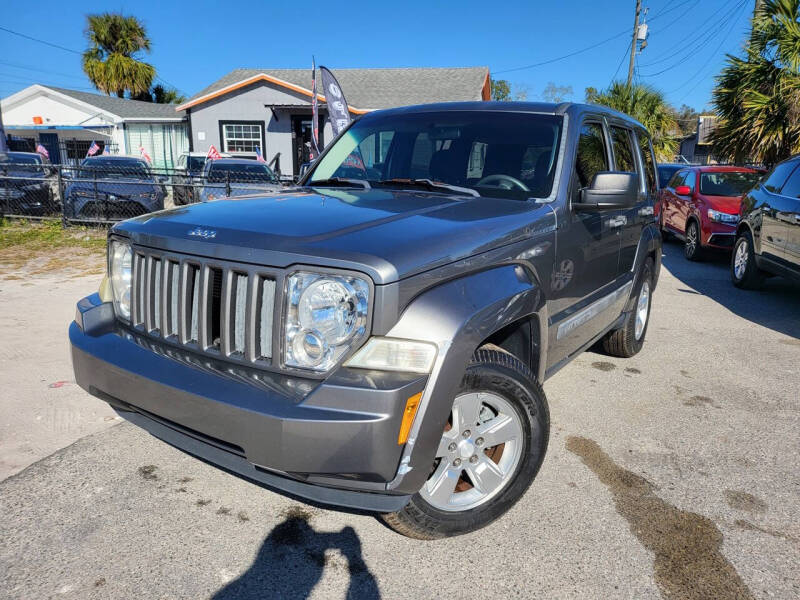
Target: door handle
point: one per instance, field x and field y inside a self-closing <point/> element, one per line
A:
<point x="617" y="221"/>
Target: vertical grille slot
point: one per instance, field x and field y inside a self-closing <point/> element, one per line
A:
<point x="193" y="302"/>
<point x="139" y="277"/>
<point x="239" y="312"/>
<point x="266" y="308"/>
<point x="172" y="281"/>
<point x="214" y="310"/>
<point x="154" y="277"/>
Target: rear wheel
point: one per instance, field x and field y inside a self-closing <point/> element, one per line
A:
<point x="629" y="339"/>
<point x="744" y="271"/>
<point x="490" y="451"/>
<point x="693" y="247"/>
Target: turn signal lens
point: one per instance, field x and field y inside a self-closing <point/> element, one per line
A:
<point x="412" y="404"/>
<point x="389" y="354"/>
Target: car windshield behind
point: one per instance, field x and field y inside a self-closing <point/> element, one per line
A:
<point x="727" y="183"/>
<point x="665" y="173"/>
<point x="20" y="162"/>
<point x="241" y="172"/>
<point x="498" y="154"/>
<point x="101" y="168"/>
<point x="195" y="163"/>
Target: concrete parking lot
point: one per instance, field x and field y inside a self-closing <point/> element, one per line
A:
<point x="673" y="474"/>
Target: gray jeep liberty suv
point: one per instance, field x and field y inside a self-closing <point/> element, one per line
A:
<point x="377" y="337"/>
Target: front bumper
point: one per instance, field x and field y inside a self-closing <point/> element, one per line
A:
<point x="718" y="235"/>
<point x="332" y="442"/>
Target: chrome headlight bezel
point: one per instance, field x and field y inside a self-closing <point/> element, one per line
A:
<point x="325" y="346"/>
<point x="120" y="275"/>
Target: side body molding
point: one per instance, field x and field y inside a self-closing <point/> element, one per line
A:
<point x="456" y="316"/>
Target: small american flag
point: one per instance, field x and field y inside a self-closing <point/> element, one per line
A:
<point x="144" y="154"/>
<point x="213" y="154"/>
<point x="43" y="151"/>
<point x="259" y="156"/>
<point x="93" y="149"/>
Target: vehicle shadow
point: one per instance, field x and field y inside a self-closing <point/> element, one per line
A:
<point x="291" y="562"/>
<point x="776" y="305"/>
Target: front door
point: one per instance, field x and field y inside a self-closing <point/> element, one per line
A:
<point x="588" y="247"/>
<point x="790" y="215"/>
<point x="50" y="141"/>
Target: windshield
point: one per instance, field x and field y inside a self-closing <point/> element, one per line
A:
<point x="665" y="174"/>
<point x="498" y="154"/>
<point x="241" y="173"/>
<point x="19" y="159"/>
<point x="727" y="183"/>
<point x="196" y="163"/>
<point x="114" y="169"/>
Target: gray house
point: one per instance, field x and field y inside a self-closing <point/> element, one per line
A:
<point x="270" y="109"/>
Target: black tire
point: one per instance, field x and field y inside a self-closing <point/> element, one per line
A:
<point x="495" y="371"/>
<point x="752" y="278"/>
<point x="693" y="246"/>
<point x="623" y="342"/>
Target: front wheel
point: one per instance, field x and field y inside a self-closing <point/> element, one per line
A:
<point x="744" y="270"/>
<point x="490" y="451"/>
<point x="693" y="246"/>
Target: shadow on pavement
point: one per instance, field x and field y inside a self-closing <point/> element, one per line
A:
<point x="776" y="306"/>
<point x="292" y="559"/>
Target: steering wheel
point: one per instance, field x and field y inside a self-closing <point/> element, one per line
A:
<point x="500" y="179"/>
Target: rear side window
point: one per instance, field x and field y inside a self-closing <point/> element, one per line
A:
<point x="778" y="177"/>
<point x="649" y="162"/>
<point x="623" y="150"/>
<point x="592" y="155"/>
<point x="792" y="187"/>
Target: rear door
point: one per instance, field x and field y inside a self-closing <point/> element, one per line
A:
<point x="774" y="211"/>
<point x="669" y="198"/>
<point x="683" y="204"/>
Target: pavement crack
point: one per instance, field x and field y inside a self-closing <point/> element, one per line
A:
<point x="688" y="559"/>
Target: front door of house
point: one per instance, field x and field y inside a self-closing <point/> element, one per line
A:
<point x="50" y="141"/>
<point x="302" y="147"/>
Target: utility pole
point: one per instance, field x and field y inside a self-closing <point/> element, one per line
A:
<point x="633" y="41"/>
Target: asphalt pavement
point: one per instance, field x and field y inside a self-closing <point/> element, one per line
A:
<point x="673" y="474"/>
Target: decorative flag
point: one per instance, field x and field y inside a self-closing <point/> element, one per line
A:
<point x="259" y="156"/>
<point x="3" y="144"/>
<point x="43" y="151"/>
<point x="314" y="109"/>
<point x="93" y="149"/>
<point x="144" y="154"/>
<point x="213" y="154"/>
<point x="338" y="112"/>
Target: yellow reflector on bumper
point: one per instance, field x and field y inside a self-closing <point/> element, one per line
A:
<point x="412" y="404"/>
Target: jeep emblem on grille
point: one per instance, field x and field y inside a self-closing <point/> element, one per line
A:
<point x="206" y="234"/>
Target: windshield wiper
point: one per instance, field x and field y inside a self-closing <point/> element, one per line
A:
<point x="430" y="185"/>
<point x="341" y="181"/>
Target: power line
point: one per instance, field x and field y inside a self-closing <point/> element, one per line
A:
<point x="591" y="47"/>
<point x="30" y="68"/>
<point x="621" y="60"/>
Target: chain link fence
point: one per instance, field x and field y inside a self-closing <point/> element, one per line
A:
<point x="107" y="189"/>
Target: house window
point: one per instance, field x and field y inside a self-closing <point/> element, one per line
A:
<point x="242" y="137"/>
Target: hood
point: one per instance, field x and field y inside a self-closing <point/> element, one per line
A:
<point x="390" y="234"/>
<point x="726" y="204"/>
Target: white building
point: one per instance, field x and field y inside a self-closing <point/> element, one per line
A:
<point x="66" y="122"/>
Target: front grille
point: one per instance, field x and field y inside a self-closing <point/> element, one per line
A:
<point x="218" y="308"/>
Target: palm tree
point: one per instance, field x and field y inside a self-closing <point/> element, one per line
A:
<point x="648" y="106"/>
<point x="110" y="62"/>
<point x="163" y="95"/>
<point x="757" y="97"/>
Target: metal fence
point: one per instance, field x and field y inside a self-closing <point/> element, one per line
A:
<point x="113" y="192"/>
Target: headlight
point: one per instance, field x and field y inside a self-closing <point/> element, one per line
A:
<point x="326" y="316"/>
<point x="119" y="272"/>
<point x="388" y="354"/>
<point x="721" y="217"/>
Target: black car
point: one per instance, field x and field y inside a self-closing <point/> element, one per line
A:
<point x="26" y="184"/>
<point x="377" y="337"/>
<point x="768" y="236"/>
<point x="113" y="187"/>
<point x="187" y="177"/>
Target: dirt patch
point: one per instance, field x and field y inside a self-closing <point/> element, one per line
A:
<point x="148" y="472"/>
<point x="744" y="501"/>
<point x="297" y="512"/>
<point x="202" y="502"/>
<point x="604" y="366"/>
<point x="223" y="510"/>
<point x="748" y="526"/>
<point x="700" y="401"/>
<point x="242" y="516"/>
<point x="688" y="559"/>
<point x="633" y="370"/>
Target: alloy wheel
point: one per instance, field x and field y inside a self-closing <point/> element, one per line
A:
<point x="691" y="239"/>
<point x="478" y="453"/>
<point x="642" y="310"/>
<point x="740" y="259"/>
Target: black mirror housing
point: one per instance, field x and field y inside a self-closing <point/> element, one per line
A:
<point x="609" y="190"/>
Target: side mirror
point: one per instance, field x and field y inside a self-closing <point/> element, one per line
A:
<point x="683" y="190"/>
<point x="609" y="190"/>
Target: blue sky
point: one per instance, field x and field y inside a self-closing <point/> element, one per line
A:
<point x="194" y="43"/>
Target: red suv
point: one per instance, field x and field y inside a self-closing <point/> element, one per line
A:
<point x="700" y="205"/>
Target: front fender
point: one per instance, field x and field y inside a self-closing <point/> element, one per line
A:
<point x="456" y="316"/>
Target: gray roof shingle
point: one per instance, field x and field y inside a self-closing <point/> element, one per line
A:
<point x="379" y="88"/>
<point x="122" y="107"/>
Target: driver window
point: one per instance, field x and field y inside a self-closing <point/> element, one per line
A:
<point x="592" y="157"/>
